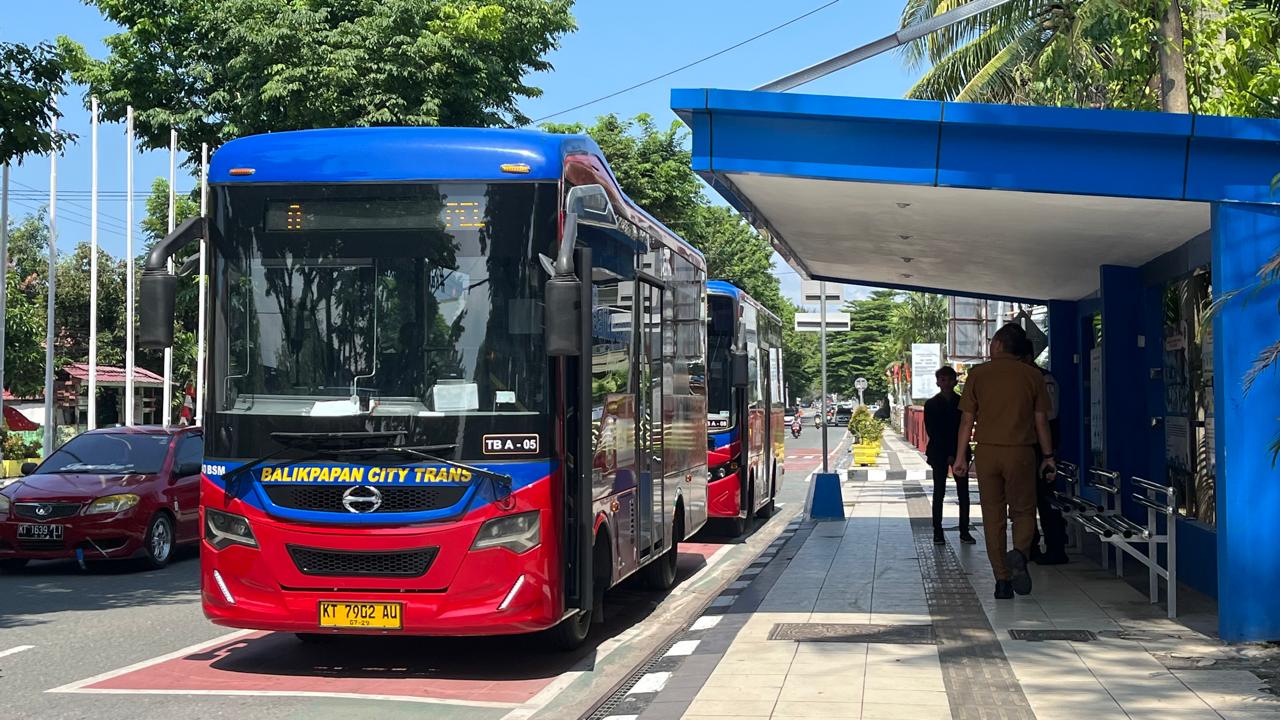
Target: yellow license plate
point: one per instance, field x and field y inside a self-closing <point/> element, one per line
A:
<point x="384" y="616"/>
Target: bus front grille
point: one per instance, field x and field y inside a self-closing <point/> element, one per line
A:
<point x="328" y="498"/>
<point x="348" y="563"/>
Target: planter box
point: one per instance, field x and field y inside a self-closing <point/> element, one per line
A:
<point x="13" y="468"/>
<point x="866" y="453"/>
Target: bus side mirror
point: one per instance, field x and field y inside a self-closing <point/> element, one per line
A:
<point x="158" y="289"/>
<point x="157" y="294"/>
<point x="562" y="299"/>
<point x="738" y="369"/>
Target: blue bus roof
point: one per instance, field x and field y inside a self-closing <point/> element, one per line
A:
<point x="373" y="154"/>
<point x="723" y="287"/>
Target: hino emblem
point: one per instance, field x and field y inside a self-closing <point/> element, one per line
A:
<point x="362" y="499"/>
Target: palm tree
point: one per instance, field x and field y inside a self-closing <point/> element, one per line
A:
<point x="997" y="55"/>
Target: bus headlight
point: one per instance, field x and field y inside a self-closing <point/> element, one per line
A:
<point x="725" y="470"/>
<point x="223" y="529"/>
<point x="112" y="504"/>
<point x="517" y="533"/>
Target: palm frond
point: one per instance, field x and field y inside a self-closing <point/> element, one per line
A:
<point x="935" y="47"/>
<point x="950" y="75"/>
<point x="1265" y="360"/>
<point x="986" y="82"/>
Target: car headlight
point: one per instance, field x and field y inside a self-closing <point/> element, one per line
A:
<point x="517" y="533"/>
<point x="223" y="529"/>
<point x="4" y="505"/>
<point x="112" y="504"/>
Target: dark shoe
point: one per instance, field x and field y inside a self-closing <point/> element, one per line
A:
<point x="1020" y="578"/>
<point x="1053" y="559"/>
<point x="938" y="539"/>
<point x="967" y="539"/>
<point x="1004" y="590"/>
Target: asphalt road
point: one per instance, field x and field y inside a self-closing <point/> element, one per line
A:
<point x="145" y="649"/>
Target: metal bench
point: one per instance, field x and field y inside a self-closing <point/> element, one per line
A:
<point x="1111" y="527"/>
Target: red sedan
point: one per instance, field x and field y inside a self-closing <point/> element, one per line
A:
<point x="107" y="494"/>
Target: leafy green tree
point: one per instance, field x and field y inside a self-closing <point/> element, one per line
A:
<point x="219" y="69"/>
<point x="26" y="289"/>
<point x="155" y="225"/>
<point x="653" y="168"/>
<point x="30" y="77"/>
<point x="917" y="318"/>
<point x="1208" y="56"/>
<point x="859" y="352"/>
<point x="71" y="308"/>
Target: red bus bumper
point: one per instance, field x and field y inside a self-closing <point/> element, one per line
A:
<point x="723" y="498"/>
<point x="493" y="591"/>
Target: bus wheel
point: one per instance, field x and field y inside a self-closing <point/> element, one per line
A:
<point x="660" y="574"/>
<point x="571" y="632"/>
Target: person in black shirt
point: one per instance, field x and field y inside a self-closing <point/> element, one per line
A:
<point x="942" y="424"/>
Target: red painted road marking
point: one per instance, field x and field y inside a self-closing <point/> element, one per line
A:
<point x="457" y="671"/>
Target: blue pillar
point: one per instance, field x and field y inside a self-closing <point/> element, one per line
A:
<point x="1248" y="483"/>
<point x="1123" y="386"/>
<point x="1064" y="362"/>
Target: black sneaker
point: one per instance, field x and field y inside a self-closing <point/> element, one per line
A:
<point x="1020" y="578"/>
<point x="1004" y="590"/>
<point x="967" y="539"/>
<point x="938" y="539"/>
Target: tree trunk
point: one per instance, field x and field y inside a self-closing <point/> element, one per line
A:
<point x="1173" y="65"/>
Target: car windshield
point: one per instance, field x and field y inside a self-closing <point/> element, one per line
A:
<point x="419" y="300"/>
<point x="108" y="453"/>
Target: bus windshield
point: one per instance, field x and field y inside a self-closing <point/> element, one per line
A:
<point x="721" y="332"/>
<point x="413" y="300"/>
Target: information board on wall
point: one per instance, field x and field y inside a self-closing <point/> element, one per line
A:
<point x="926" y="358"/>
<point x="1096" y="426"/>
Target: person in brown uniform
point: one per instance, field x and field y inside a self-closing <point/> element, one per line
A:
<point x="1009" y="402"/>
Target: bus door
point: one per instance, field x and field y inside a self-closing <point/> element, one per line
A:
<point x="650" y="466"/>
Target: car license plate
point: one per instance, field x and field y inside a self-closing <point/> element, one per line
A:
<point x="39" y="532"/>
<point x="385" y="616"/>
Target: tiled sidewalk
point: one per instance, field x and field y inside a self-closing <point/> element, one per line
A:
<point x="910" y="630"/>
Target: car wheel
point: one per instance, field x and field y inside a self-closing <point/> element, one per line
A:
<point x="157" y="545"/>
<point x="13" y="564"/>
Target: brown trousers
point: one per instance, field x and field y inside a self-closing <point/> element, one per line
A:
<point x="1007" y="484"/>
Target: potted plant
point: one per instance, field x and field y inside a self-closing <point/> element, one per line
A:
<point x="867" y="432"/>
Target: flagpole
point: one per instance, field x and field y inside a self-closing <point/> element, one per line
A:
<point x="168" y="352"/>
<point x="201" y="312"/>
<point x="52" y="284"/>
<point x="130" y="261"/>
<point x="93" y="267"/>
<point x="4" y="275"/>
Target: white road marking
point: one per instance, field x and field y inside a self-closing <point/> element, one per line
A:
<point x="622" y="717"/>
<point x="221" y="639"/>
<point x="682" y="647"/>
<point x="706" y="622"/>
<point x="650" y="683"/>
<point x="15" y="650"/>
<point x="713" y="560"/>
<point x="295" y="693"/>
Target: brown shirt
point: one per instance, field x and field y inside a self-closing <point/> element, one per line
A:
<point x="1004" y="395"/>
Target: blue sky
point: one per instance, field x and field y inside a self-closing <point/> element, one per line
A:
<point x="617" y="44"/>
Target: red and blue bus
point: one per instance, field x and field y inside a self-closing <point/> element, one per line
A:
<point x="745" y="406"/>
<point x="456" y="383"/>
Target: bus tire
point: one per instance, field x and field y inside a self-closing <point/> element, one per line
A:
<point x="660" y="574"/>
<point x="572" y="632"/>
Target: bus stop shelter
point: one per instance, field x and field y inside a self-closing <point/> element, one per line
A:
<point x="1091" y="212"/>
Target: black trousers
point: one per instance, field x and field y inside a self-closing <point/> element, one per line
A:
<point x="1052" y="524"/>
<point x="940" y="492"/>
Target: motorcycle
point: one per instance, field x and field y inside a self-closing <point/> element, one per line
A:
<point x="795" y="429"/>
